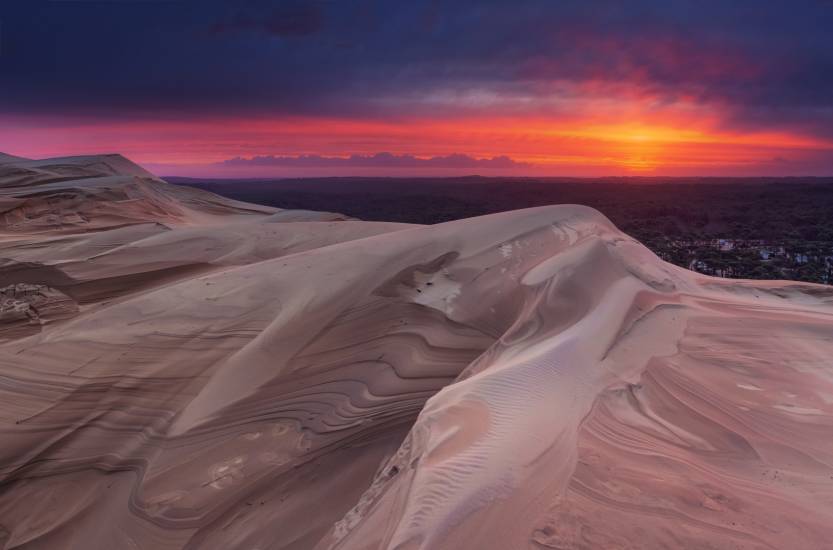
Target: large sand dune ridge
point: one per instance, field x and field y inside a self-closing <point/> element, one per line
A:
<point x="179" y="370"/>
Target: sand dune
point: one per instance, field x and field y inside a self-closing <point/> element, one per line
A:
<point x="178" y="370"/>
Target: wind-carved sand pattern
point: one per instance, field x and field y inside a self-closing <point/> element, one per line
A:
<point x="178" y="370"/>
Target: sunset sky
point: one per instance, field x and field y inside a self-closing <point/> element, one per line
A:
<point x="256" y="88"/>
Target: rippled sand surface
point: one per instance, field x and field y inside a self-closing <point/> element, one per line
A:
<point x="179" y="370"/>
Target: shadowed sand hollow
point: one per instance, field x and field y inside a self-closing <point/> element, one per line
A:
<point x="179" y="370"/>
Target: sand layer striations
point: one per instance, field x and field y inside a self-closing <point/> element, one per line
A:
<point x="181" y="371"/>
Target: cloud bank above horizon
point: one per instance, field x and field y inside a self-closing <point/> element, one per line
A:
<point x="578" y="88"/>
<point x="379" y="159"/>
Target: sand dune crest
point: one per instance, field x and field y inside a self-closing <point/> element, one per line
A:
<point x="178" y="370"/>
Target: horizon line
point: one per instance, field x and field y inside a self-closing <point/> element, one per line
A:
<point x="495" y="177"/>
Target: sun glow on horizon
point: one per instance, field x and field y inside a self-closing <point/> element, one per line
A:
<point x="580" y="144"/>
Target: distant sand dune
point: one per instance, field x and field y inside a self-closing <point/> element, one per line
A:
<point x="178" y="370"/>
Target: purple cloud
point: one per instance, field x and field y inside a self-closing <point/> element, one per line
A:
<point x="386" y="160"/>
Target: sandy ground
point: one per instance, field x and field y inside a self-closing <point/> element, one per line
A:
<point x="182" y="371"/>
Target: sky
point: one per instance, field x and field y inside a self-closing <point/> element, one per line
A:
<point x="254" y="88"/>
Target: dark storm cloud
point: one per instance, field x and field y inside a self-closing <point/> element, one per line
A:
<point x="297" y="18"/>
<point x="379" y="160"/>
<point x="763" y="62"/>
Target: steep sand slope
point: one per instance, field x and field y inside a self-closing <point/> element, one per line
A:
<point x="229" y="379"/>
<point x="88" y="193"/>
